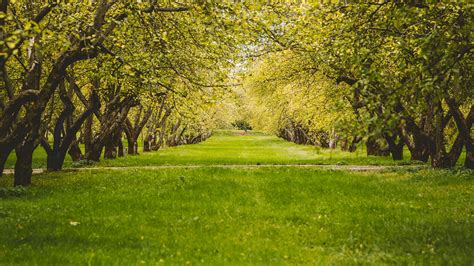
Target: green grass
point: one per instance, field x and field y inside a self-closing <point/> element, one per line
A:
<point x="213" y="215"/>
<point x="231" y="147"/>
<point x="39" y="158"/>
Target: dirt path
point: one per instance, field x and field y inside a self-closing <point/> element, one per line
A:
<point x="241" y="166"/>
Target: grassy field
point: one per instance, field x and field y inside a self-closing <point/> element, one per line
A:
<point x="231" y="147"/>
<point x="213" y="215"/>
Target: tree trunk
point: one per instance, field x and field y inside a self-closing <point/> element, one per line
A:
<point x="355" y="141"/>
<point x="87" y="134"/>
<point x="345" y="144"/>
<point x="373" y="148"/>
<point x="132" y="146"/>
<point x="161" y="139"/>
<point x="112" y="145"/>
<point x="441" y="159"/>
<point x="147" y="143"/>
<point x="397" y="152"/>
<point x="395" y="149"/>
<point x="153" y="141"/>
<point x="75" y="151"/>
<point x="419" y="153"/>
<point x="464" y="126"/>
<point x="333" y="139"/>
<point x="120" y="146"/>
<point x="4" y="153"/>
<point x="111" y="123"/>
<point x="110" y="149"/>
<point x="418" y="147"/>
<point x="438" y="157"/>
<point x="23" y="165"/>
<point x="66" y="129"/>
<point x="55" y="161"/>
<point x="469" y="162"/>
<point x="133" y="130"/>
<point x="94" y="153"/>
<point x="146" y="146"/>
<point x="418" y="143"/>
<point x="131" y="142"/>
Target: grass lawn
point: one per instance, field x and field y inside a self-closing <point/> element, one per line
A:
<point x="231" y="147"/>
<point x="212" y="215"/>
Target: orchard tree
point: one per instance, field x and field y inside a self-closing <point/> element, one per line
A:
<point x="42" y="43"/>
<point x="408" y="66"/>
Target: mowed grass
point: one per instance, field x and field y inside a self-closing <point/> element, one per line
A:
<point x="214" y="215"/>
<point x="236" y="147"/>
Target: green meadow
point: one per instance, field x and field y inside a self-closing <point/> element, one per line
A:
<point x="236" y="148"/>
<point x="270" y="214"/>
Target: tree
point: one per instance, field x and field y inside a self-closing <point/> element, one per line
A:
<point x="408" y="67"/>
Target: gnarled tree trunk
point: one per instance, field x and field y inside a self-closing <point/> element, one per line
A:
<point x="374" y="148"/>
<point x="133" y="131"/>
<point x="75" y="151"/>
<point x="464" y="126"/>
<point x="24" y="162"/>
<point x="354" y="142"/>
<point x="65" y="130"/>
<point x="395" y="149"/>
<point x="111" y="122"/>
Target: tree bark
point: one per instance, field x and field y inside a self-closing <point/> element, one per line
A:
<point x="397" y="152"/>
<point x="55" y="161"/>
<point x="94" y="153"/>
<point x="395" y="149"/>
<point x="162" y="125"/>
<point x="374" y="148"/>
<point x="147" y="143"/>
<point x="441" y="159"/>
<point x="75" y="151"/>
<point x="65" y="132"/>
<point x="464" y="126"/>
<point x="111" y="122"/>
<point x="120" y="145"/>
<point x="469" y="161"/>
<point x="417" y="145"/>
<point x="354" y="142"/>
<point x="4" y="153"/>
<point x="419" y="153"/>
<point x="110" y="150"/>
<point x="133" y="131"/>
<point x="132" y="147"/>
<point x="24" y="161"/>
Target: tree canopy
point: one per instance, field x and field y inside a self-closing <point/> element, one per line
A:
<point x="78" y="77"/>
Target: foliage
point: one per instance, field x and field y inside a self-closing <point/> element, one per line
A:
<point x="393" y="74"/>
<point x="93" y="73"/>
<point x="242" y="125"/>
<point x="281" y="93"/>
<point x="408" y="67"/>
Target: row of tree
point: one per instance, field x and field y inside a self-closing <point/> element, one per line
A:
<point x="78" y="77"/>
<point x="392" y="73"/>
